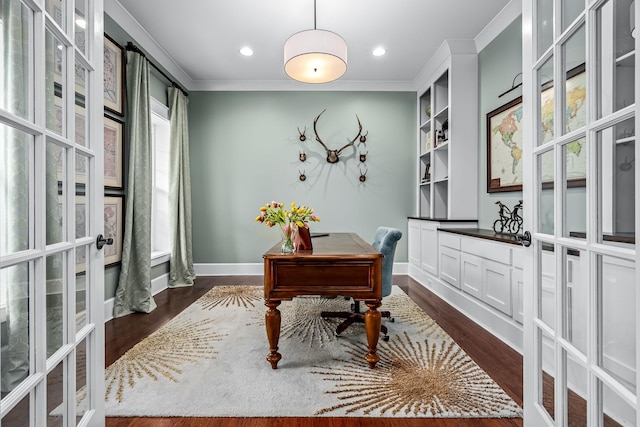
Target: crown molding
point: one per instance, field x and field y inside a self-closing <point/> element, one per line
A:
<point x="502" y="20"/>
<point x="143" y="39"/>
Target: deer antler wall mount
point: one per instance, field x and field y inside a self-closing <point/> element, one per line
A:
<point x="333" y="156"/>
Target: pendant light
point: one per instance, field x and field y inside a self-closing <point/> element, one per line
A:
<point x="315" y="56"/>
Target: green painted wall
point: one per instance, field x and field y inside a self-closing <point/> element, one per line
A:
<point x="244" y="151"/>
<point x="498" y="64"/>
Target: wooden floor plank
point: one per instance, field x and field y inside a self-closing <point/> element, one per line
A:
<point x="501" y="362"/>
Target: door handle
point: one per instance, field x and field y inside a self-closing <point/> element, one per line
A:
<point x="524" y="239"/>
<point x="101" y="241"/>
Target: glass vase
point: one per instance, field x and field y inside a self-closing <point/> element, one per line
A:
<point x="288" y="235"/>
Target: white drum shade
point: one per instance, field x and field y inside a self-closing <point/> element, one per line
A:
<point x="315" y="56"/>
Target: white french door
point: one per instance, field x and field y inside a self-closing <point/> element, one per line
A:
<point x="581" y="87"/>
<point x="51" y="211"/>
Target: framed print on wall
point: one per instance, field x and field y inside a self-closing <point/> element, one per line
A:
<point x="504" y="147"/>
<point x="114" y="228"/>
<point x="113" y="152"/>
<point x="113" y="76"/>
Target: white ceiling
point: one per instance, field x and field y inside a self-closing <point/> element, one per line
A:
<point x="202" y="38"/>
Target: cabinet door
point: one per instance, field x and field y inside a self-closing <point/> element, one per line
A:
<point x="517" y="288"/>
<point x="471" y="281"/>
<point x="497" y="285"/>
<point x="429" y="247"/>
<point x="414" y="243"/>
<point x="450" y="266"/>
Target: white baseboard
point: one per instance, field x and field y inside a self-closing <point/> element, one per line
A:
<point x="233" y="269"/>
<point x="158" y="285"/>
<point x="499" y="325"/>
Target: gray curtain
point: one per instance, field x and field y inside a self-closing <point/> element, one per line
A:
<point x="181" y="266"/>
<point x="134" y="287"/>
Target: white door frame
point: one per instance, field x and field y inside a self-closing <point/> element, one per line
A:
<point x="55" y="20"/>
<point x="592" y="249"/>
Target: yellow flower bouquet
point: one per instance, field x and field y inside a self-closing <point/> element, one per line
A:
<point x="289" y="221"/>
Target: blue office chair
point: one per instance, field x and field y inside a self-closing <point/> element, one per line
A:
<point x="385" y="241"/>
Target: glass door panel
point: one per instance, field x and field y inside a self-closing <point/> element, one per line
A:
<point x="575" y="82"/>
<point x="56" y="416"/>
<point x="616" y="57"/>
<point x="546" y="192"/>
<point x="544" y="26"/>
<point x="16" y="285"/>
<point x="576" y="391"/>
<point x="55" y="83"/>
<point x="546" y="107"/>
<point x="614" y="410"/>
<point x="574" y="156"/>
<point x="616" y="160"/>
<point x="16" y="171"/>
<point x="17" y="72"/>
<point x="547" y="373"/>
<point x="617" y="353"/>
<point x="571" y="9"/>
<point x="547" y="287"/>
<point x="575" y="291"/>
<point x="55" y="302"/>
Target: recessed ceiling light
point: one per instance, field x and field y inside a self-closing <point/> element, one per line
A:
<point x="379" y="51"/>
<point x="246" y="51"/>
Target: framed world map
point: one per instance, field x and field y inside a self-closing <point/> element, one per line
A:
<point x="504" y="136"/>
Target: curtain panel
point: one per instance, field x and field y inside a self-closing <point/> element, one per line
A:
<point x="134" y="286"/>
<point x="181" y="271"/>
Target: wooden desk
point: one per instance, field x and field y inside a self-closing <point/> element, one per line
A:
<point x="341" y="264"/>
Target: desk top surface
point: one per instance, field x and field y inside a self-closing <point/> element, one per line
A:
<point x="331" y="244"/>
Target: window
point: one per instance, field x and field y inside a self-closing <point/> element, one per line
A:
<point x="160" y="239"/>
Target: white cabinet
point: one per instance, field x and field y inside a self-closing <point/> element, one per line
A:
<point x="424" y="247"/>
<point x="414" y="242"/>
<point x="496" y="280"/>
<point x="475" y="271"/>
<point x="486" y="272"/>
<point x="450" y="266"/>
<point x="472" y="275"/>
<point x="448" y="133"/>
<point x="429" y="246"/>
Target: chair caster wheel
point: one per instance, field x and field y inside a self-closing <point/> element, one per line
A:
<point x="385" y="338"/>
<point x="392" y="319"/>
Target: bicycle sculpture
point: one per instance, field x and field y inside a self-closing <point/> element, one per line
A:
<point x="510" y="220"/>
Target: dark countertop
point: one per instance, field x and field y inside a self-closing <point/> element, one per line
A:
<point x="423" y="218"/>
<point x="484" y="234"/>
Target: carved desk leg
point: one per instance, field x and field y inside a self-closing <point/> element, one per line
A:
<point x="372" y="320"/>
<point x="272" y="322"/>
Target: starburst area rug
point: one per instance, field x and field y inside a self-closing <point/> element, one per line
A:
<point x="210" y="361"/>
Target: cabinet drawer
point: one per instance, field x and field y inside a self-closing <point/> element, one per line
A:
<point x="450" y="240"/>
<point x="450" y="266"/>
<point x="495" y="251"/>
<point x="471" y="280"/>
<point x="497" y="285"/>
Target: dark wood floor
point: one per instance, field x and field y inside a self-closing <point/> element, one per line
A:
<point x="502" y="363"/>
